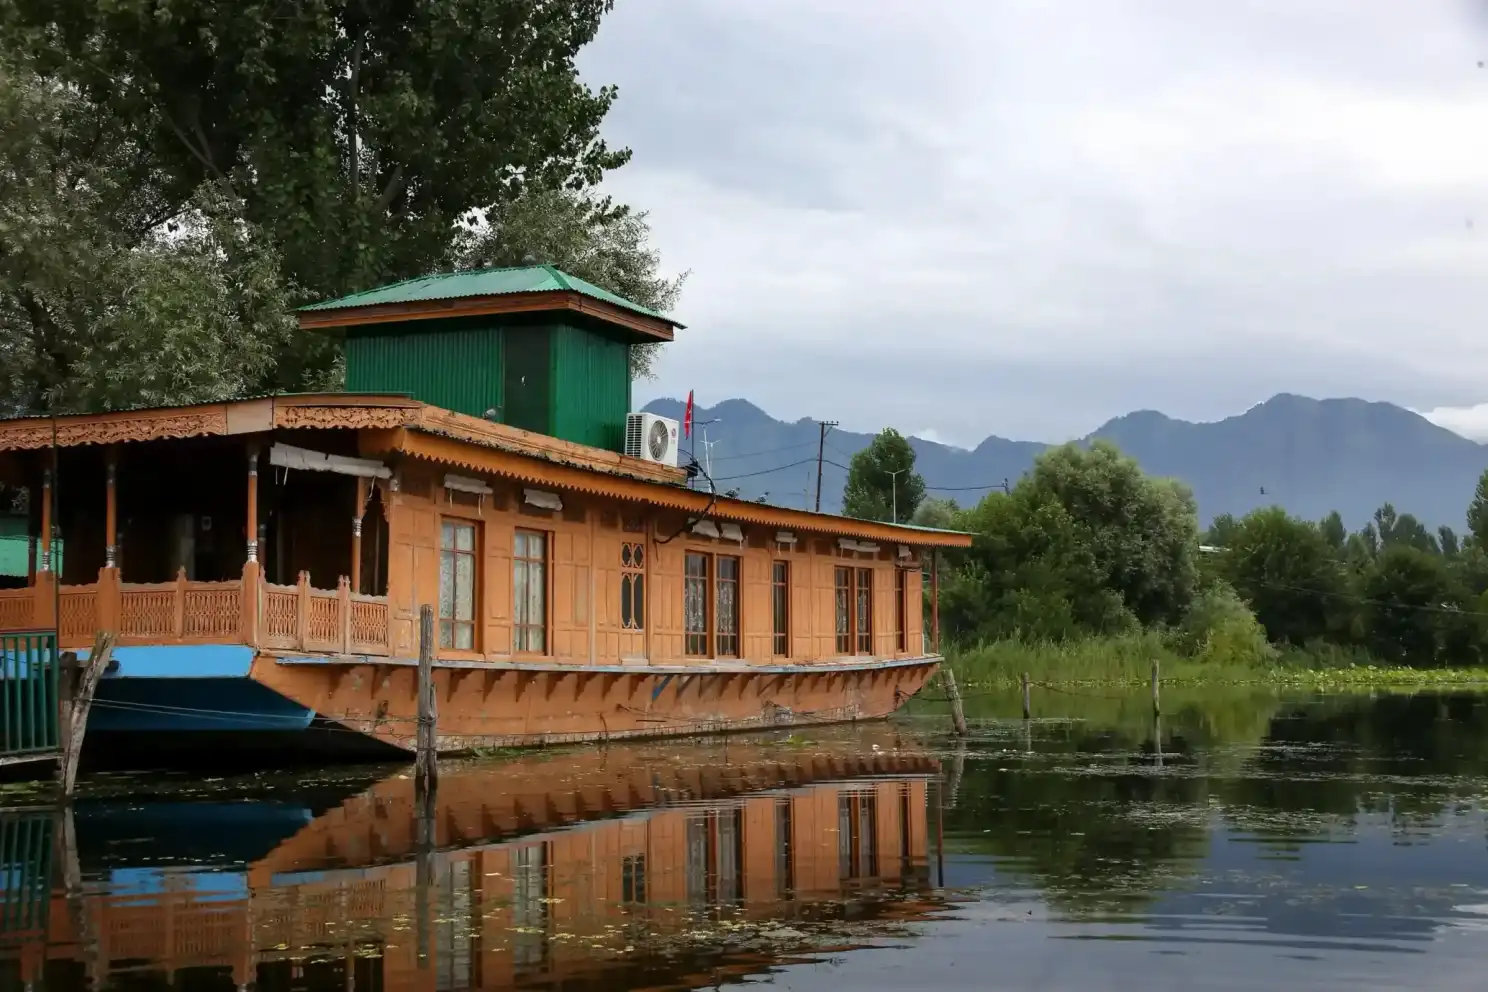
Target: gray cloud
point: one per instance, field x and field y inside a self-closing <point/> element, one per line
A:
<point x="1023" y="218"/>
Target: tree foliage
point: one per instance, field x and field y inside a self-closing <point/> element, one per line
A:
<point x="356" y="134"/>
<point x="585" y="235"/>
<point x="881" y="480"/>
<point x="1084" y="544"/>
<point x="177" y="175"/>
<point x="102" y="306"/>
<point x="1088" y="544"/>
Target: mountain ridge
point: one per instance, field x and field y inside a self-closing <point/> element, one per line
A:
<point x="1308" y="455"/>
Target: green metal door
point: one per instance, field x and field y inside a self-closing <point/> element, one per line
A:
<point x="527" y="362"/>
<point x="28" y="694"/>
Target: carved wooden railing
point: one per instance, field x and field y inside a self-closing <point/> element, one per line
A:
<point x="285" y="618"/>
<point x="323" y="621"/>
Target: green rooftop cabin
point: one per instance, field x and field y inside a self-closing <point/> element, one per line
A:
<point x="531" y="347"/>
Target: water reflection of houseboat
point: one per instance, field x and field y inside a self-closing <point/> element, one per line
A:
<point x="263" y="561"/>
<point x="542" y="871"/>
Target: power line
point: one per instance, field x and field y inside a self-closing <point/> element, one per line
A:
<point x="766" y="471"/>
<point x="768" y="451"/>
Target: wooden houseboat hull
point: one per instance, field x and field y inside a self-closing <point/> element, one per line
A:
<point x="227" y="698"/>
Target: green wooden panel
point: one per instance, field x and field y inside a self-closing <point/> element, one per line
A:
<point x="528" y="360"/>
<point x="28" y="693"/>
<point x="452" y="364"/>
<point x="591" y="387"/>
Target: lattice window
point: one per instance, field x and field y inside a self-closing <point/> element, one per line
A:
<point x="633" y="586"/>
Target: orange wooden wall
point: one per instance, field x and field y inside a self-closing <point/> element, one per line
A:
<point x="584" y="577"/>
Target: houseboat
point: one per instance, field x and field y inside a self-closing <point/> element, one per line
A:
<point x="263" y="562"/>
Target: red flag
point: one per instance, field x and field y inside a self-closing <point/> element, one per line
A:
<point x="687" y="417"/>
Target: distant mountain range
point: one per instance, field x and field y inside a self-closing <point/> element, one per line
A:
<point x="1310" y="456"/>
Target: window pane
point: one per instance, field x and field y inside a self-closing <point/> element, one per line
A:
<point x="519" y="544"/>
<point x="638" y="557"/>
<point x="465" y="537"/>
<point x="465" y="637"/>
<point x="537" y="590"/>
<point x="465" y="587"/>
<point x="537" y="545"/>
<point x="446" y="584"/>
<point x="447" y="536"/>
<point x="446" y="640"/>
<point x="627" y="616"/>
<point x="638" y="604"/>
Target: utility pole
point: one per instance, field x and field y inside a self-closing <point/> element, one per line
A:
<point x="821" y="445"/>
<point x="894" y="493"/>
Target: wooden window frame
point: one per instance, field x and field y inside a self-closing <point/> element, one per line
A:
<point x="450" y="623"/>
<point x="863" y="611"/>
<point x="716" y="643"/>
<point x="901" y="611"/>
<point x="546" y="561"/>
<point x="728" y="644"/>
<point x="633" y="585"/>
<point x="780" y="611"/>
<point x="705" y="649"/>
<point x="842" y="608"/>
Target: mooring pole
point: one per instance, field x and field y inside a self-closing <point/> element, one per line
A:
<point x="1156" y="681"/>
<point x="1027" y="699"/>
<point x="79" y="700"/>
<point x="953" y="693"/>
<point x="426" y="767"/>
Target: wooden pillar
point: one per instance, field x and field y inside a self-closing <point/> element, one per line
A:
<point x="935" y="600"/>
<point x="111" y="511"/>
<point x="45" y="565"/>
<point x="251" y="531"/>
<point x="248" y="611"/>
<point x="362" y="492"/>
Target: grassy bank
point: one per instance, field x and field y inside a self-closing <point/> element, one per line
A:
<point x="1127" y="660"/>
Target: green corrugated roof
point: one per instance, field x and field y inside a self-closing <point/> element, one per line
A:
<point x="484" y="282"/>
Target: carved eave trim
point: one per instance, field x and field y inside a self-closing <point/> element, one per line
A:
<point x="147" y="425"/>
<point x="447" y="451"/>
<point x="487" y="434"/>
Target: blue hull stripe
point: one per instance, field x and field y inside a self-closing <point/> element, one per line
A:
<point x="181" y="661"/>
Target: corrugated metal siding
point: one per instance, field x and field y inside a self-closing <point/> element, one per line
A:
<point x="591" y="388"/>
<point x="456" y="366"/>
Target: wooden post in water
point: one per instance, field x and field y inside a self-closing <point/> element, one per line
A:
<point x="426" y="767"/>
<point x="1027" y="699"/>
<point x="953" y="693"/>
<point x="1156" y="680"/>
<point x="79" y="700"/>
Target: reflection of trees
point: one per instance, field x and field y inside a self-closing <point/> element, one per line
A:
<point x="1090" y="820"/>
<point x="1104" y="839"/>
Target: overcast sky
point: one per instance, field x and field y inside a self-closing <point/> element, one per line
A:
<point x="1024" y="217"/>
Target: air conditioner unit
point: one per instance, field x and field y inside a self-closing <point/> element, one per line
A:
<point x="651" y="438"/>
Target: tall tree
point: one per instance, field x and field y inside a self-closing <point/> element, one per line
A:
<point x="583" y="234"/>
<point x="1286" y="571"/>
<point x="100" y="305"/>
<point x="1477" y="513"/>
<point x="881" y="480"/>
<point x="352" y="135"/>
<point x="1142" y="531"/>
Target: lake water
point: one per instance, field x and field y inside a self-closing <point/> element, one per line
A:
<point x="1242" y="842"/>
